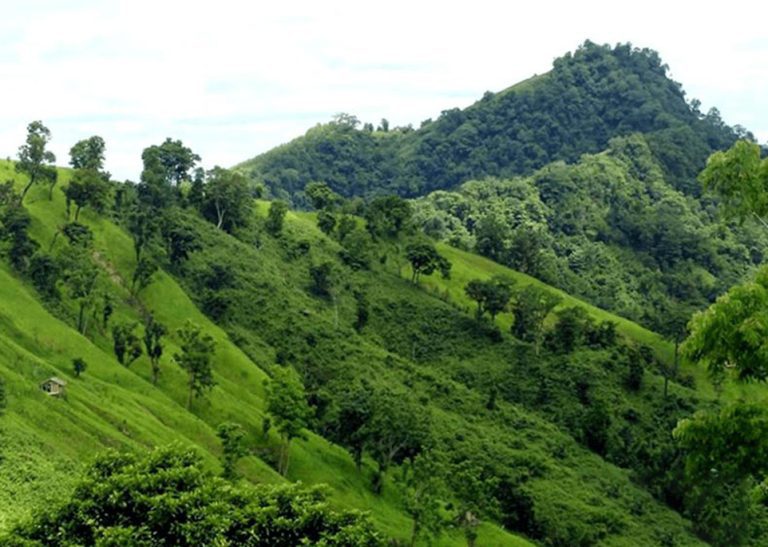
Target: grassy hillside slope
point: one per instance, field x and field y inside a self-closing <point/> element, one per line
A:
<point x="47" y="440"/>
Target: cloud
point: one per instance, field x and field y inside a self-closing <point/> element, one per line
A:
<point x="234" y="78"/>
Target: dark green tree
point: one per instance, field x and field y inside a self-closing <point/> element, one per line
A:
<point x="361" y="310"/>
<point x="165" y="497"/>
<point x="78" y="366"/>
<point x="126" y="343"/>
<point x="153" y="344"/>
<point x="44" y="271"/>
<point x="423" y="491"/>
<point x="88" y="154"/>
<point x="227" y="199"/>
<point x="287" y="404"/>
<point x="388" y="216"/>
<point x="87" y="188"/>
<point x="276" y="217"/>
<point x="492" y="296"/>
<point x="570" y="330"/>
<point x="197" y="349"/>
<point x="35" y="160"/>
<point x="142" y="274"/>
<point x="425" y="259"/>
<point x="232" y="439"/>
<point x="321" y="279"/>
<point x="321" y="196"/>
<point x="171" y="161"/>
<point x="80" y="276"/>
<point x="531" y="307"/>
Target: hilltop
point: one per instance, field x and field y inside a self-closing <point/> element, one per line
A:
<point x="584" y="177"/>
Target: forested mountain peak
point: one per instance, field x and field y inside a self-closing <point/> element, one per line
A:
<point x="591" y="95"/>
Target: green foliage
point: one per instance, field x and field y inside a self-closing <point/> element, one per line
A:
<point x="87" y="187"/>
<point x="424" y="489"/>
<point x="276" y="217"/>
<point x="227" y="200"/>
<point x="425" y="259"/>
<point x="88" y="154"/>
<point x="321" y="196"/>
<point x="491" y="296"/>
<point x="532" y="306"/>
<point x="570" y="330"/>
<point x="321" y="279"/>
<point x="126" y="343"/>
<point x="153" y="344"/>
<point x="78" y="366"/>
<point x="725" y="464"/>
<point x="35" y="161"/>
<point x="197" y="349"/>
<point x="232" y="439"/>
<point x="166" y="498"/>
<point x="739" y="178"/>
<point x="731" y="334"/>
<point x="388" y="216"/>
<point x="590" y="96"/>
<point x="168" y="163"/>
<point x="142" y="274"/>
<point x="287" y="404"/>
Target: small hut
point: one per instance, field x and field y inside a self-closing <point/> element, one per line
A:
<point x="54" y="386"/>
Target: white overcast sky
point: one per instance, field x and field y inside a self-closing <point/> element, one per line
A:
<point x="234" y="78"/>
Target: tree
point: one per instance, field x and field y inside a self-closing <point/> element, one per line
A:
<point x="232" y="439"/>
<point x="88" y="154"/>
<point x="326" y="221"/>
<point x="424" y="487"/>
<point x="287" y="404"/>
<point x="491" y="296"/>
<point x="321" y="196"/>
<point x="361" y="310"/>
<point x="171" y="161"/>
<point x="86" y="188"/>
<point x="531" y="307"/>
<point x="321" y="276"/>
<point x="227" y="200"/>
<point x="388" y="216"/>
<point x="14" y="224"/>
<point x="725" y="463"/>
<point x="570" y="330"/>
<point x="79" y="366"/>
<point x="44" y="271"/>
<point x="197" y="350"/>
<point x="80" y="276"/>
<point x="142" y="274"/>
<point x="276" y="217"/>
<point x="739" y="178"/>
<point x="397" y="430"/>
<point x="166" y="497"/>
<point x="732" y="334"/>
<point x="348" y="417"/>
<point x="126" y="344"/>
<point x="153" y="344"/>
<point x="143" y="227"/>
<point x="425" y="259"/>
<point x="35" y="161"/>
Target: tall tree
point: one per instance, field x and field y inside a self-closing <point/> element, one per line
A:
<point x="126" y="343"/>
<point x="232" y="439"/>
<point x="197" y="349"/>
<point x="153" y="344"/>
<point x="424" y="488"/>
<point x="171" y="161"/>
<point x="227" y="200"/>
<point x="35" y="160"/>
<point x="492" y="296"/>
<point x="276" y="217"/>
<point x="425" y="259"/>
<point x="88" y="154"/>
<point x="531" y="307"/>
<point x="287" y="403"/>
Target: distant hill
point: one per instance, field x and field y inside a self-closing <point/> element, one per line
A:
<point x="589" y="96"/>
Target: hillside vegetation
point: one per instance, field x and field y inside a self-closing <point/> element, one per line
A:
<point x="513" y="454"/>
<point x="584" y="177"/>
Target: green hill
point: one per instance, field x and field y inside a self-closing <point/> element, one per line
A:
<point x="583" y="177"/>
<point x="549" y="446"/>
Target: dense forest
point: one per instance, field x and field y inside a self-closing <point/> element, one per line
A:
<point x="360" y="374"/>
<point x="589" y="97"/>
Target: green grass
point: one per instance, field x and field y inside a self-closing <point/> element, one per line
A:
<point x="48" y="440"/>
